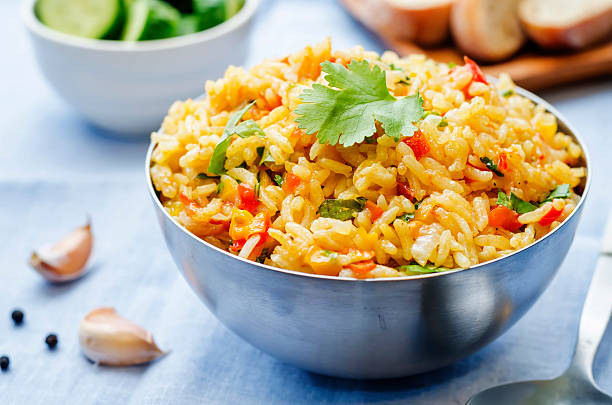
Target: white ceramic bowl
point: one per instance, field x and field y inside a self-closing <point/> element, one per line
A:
<point x="127" y="88"/>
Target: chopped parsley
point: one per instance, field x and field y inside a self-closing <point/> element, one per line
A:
<point x="357" y="97"/>
<point x="561" y="191"/>
<point x="491" y="166"/>
<point x="278" y="179"/>
<point x="341" y="209"/>
<point x="217" y="161"/>
<point x="417" y="269"/>
<point x="514" y="203"/>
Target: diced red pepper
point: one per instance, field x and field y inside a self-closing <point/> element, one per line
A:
<point x="190" y="205"/>
<point x="375" y="211"/>
<point x="237" y="245"/>
<point x="247" y="198"/>
<point x="405" y="190"/>
<point x="502" y="164"/>
<point x="550" y="217"/>
<point x="502" y="216"/>
<point x="418" y="143"/>
<point x="477" y="75"/>
<point x="291" y="182"/>
<point x="362" y="269"/>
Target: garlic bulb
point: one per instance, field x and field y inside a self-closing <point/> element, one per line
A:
<point x="66" y="259"/>
<point x="106" y="338"/>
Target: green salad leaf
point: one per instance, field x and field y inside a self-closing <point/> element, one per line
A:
<point x="217" y="161"/>
<point x="341" y="209"/>
<point x="357" y="97"/>
<point x="491" y="166"/>
<point x="417" y="269"/>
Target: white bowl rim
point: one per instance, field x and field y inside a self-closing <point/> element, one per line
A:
<point x="560" y="118"/>
<point x="106" y="45"/>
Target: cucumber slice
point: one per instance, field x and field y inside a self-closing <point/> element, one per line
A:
<point x="84" y="18"/>
<point x="210" y="12"/>
<point x="188" y="24"/>
<point x="232" y="7"/>
<point x="150" y="19"/>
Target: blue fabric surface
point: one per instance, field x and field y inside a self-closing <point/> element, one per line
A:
<point x="55" y="169"/>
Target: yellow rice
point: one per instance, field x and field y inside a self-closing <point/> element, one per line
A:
<point x="450" y="227"/>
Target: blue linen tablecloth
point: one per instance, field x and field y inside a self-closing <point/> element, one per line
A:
<point x="55" y="169"/>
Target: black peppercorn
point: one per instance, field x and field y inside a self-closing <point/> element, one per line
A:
<point x="4" y="363"/>
<point x="17" y="316"/>
<point x="51" y="341"/>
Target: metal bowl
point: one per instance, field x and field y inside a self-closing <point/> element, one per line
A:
<point x="378" y="328"/>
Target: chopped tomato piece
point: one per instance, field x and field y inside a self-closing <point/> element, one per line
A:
<point x="247" y="198"/>
<point x="375" y="210"/>
<point x="418" y="144"/>
<point x="477" y="75"/>
<point x="502" y="216"/>
<point x="291" y="182"/>
<point x="550" y="217"/>
<point x="362" y="269"/>
<point x="502" y="164"/>
<point x="405" y="190"/>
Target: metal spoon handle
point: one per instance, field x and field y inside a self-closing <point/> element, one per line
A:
<point x="595" y="313"/>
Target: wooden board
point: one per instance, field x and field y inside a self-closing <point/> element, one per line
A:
<point x="532" y="68"/>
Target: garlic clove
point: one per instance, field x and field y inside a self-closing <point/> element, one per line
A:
<point x="106" y="338"/>
<point x="65" y="260"/>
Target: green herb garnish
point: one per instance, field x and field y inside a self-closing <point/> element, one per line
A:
<point x="333" y="256"/>
<point x="217" y="161"/>
<point x="248" y="128"/>
<point x="257" y="189"/>
<point x="417" y="269"/>
<point x="265" y="253"/>
<point x="451" y="64"/>
<point x="220" y="187"/>
<point x="347" y="110"/>
<point x="405" y="81"/>
<point x="514" y="203"/>
<point x="508" y="93"/>
<point x="428" y="113"/>
<point x="204" y="176"/>
<point x="278" y="179"/>
<point x="406" y="217"/>
<point x="341" y="209"/>
<point x="443" y="123"/>
<point x="561" y="191"/>
<point x="491" y="166"/>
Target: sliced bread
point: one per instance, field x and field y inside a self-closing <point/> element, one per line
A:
<point x="487" y="30"/>
<point x="566" y="23"/>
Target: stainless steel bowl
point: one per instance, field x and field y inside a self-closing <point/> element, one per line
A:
<point x="366" y="329"/>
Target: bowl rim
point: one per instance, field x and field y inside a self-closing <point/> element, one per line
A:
<point x="257" y="266"/>
<point x="32" y="22"/>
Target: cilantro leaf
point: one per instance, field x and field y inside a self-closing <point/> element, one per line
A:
<point x="514" y="203"/>
<point x="346" y="112"/>
<point x="204" y="176"/>
<point x="417" y="269"/>
<point x="406" y="217"/>
<point x="278" y="179"/>
<point x="521" y="206"/>
<point x="491" y="166"/>
<point x="248" y="128"/>
<point x="217" y="161"/>
<point x="502" y="199"/>
<point x="561" y="191"/>
<point x="341" y="209"/>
